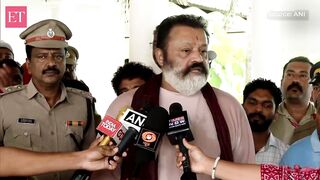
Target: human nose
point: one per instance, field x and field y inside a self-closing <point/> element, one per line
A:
<point x="51" y="60"/>
<point x="258" y="107"/>
<point x="199" y="56"/>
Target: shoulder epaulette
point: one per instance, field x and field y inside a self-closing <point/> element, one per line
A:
<point x="85" y="94"/>
<point x="11" y="89"/>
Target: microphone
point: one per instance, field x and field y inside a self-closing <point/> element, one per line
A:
<point x="112" y="128"/>
<point x="133" y="121"/>
<point x="154" y="127"/>
<point x="114" y="131"/>
<point x="107" y="139"/>
<point x="177" y="130"/>
<point x="148" y="140"/>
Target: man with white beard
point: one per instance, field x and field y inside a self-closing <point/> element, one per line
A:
<point x="217" y="120"/>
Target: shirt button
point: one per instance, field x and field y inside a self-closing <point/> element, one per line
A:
<point x="25" y="133"/>
<point x="52" y="133"/>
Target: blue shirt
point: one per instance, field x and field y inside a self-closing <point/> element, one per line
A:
<point x="305" y="152"/>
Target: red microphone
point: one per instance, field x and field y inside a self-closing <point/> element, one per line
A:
<point x="112" y="128"/>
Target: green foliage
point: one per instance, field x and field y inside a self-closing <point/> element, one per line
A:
<point x="228" y="70"/>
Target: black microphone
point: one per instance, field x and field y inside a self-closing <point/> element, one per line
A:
<point x="133" y="121"/>
<point x="177" y="130"/>
<point x="151" y="133"/>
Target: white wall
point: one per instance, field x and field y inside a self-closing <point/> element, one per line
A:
<point x="276" y="40"/>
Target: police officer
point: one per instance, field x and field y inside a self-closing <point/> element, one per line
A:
<point x="6" y="51"/>
<point x="44" y="115"/>
<point x="70" y="79"/>
<point x="71" y="63"/>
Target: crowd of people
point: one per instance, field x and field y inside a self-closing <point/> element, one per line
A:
<point x="48" y="119"/>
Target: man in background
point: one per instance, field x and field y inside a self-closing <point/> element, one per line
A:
<point x="294" y="118"/>
<point x="261" y="98"/>
<point x="6" y="51"/>
<point x="70" y="78"/>
<point x="10" y="75"/>
<point x="306" y="152"/>
<point x="129" y="76"/>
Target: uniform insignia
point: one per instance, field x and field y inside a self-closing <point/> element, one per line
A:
<point x="26" y="121"/>
<point x="50" y="33"/>
<point x="81" y="93"/>
<point x="75" y="123"/>
<point x="316" y="72"/>
<point x="67" y="54"/>
<point x="12" y="89"/>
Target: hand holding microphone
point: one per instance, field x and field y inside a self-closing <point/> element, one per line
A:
<point x="179" y="129"/>
<point x="113" y="130"/>
<point x="133" y="121"/>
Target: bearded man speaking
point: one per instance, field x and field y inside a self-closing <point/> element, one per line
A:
<point x="218" y="122"/>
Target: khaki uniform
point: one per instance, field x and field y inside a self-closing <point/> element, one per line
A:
<point x="283" y="126"/>
<point x="27" y="122"/>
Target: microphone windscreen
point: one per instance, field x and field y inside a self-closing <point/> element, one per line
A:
<point x="175" y="108"/>
<point x="157" y="120"/>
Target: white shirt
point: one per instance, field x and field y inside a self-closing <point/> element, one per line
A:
<point x="272" y="152"/>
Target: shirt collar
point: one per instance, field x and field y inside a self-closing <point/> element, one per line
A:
<point x="283" y="111"/>
<point x="32" y="91"/>
<point x="272" y="142"/>
<point x="315" y="143"/>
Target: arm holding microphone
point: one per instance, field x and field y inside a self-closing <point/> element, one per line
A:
<point x="200" y="163"/>
<point x="114" y="132"/>
<point x="18" y="162"/>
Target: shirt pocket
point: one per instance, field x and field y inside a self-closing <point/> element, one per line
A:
<point x="24" y="136"/>
<point x="76" y="131"/>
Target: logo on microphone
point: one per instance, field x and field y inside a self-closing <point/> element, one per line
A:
<point x="133" y="119"/>
<point x="109" y="126"/>
<point x="120" y="134"/>
<point x="148" y="139"/>
<point x="177" y="122"/>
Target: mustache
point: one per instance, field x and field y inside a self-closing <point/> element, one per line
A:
<point x="295" y="85"/>
<point x="201" y="66"/>
<point x="260" y="115"/>
<point x="51" y="69"/>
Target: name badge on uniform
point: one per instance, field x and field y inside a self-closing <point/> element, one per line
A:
<point x="26" y="121"/>
<point x="75" y="123"/>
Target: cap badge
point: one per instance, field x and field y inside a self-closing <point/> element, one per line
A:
<point x="68" y="54"/>
<point x="50" y="33"/>
<point x="316" y="72"/>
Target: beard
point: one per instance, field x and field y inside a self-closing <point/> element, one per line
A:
<point x="258" y="122"/>
<point x="184" y="81"/>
